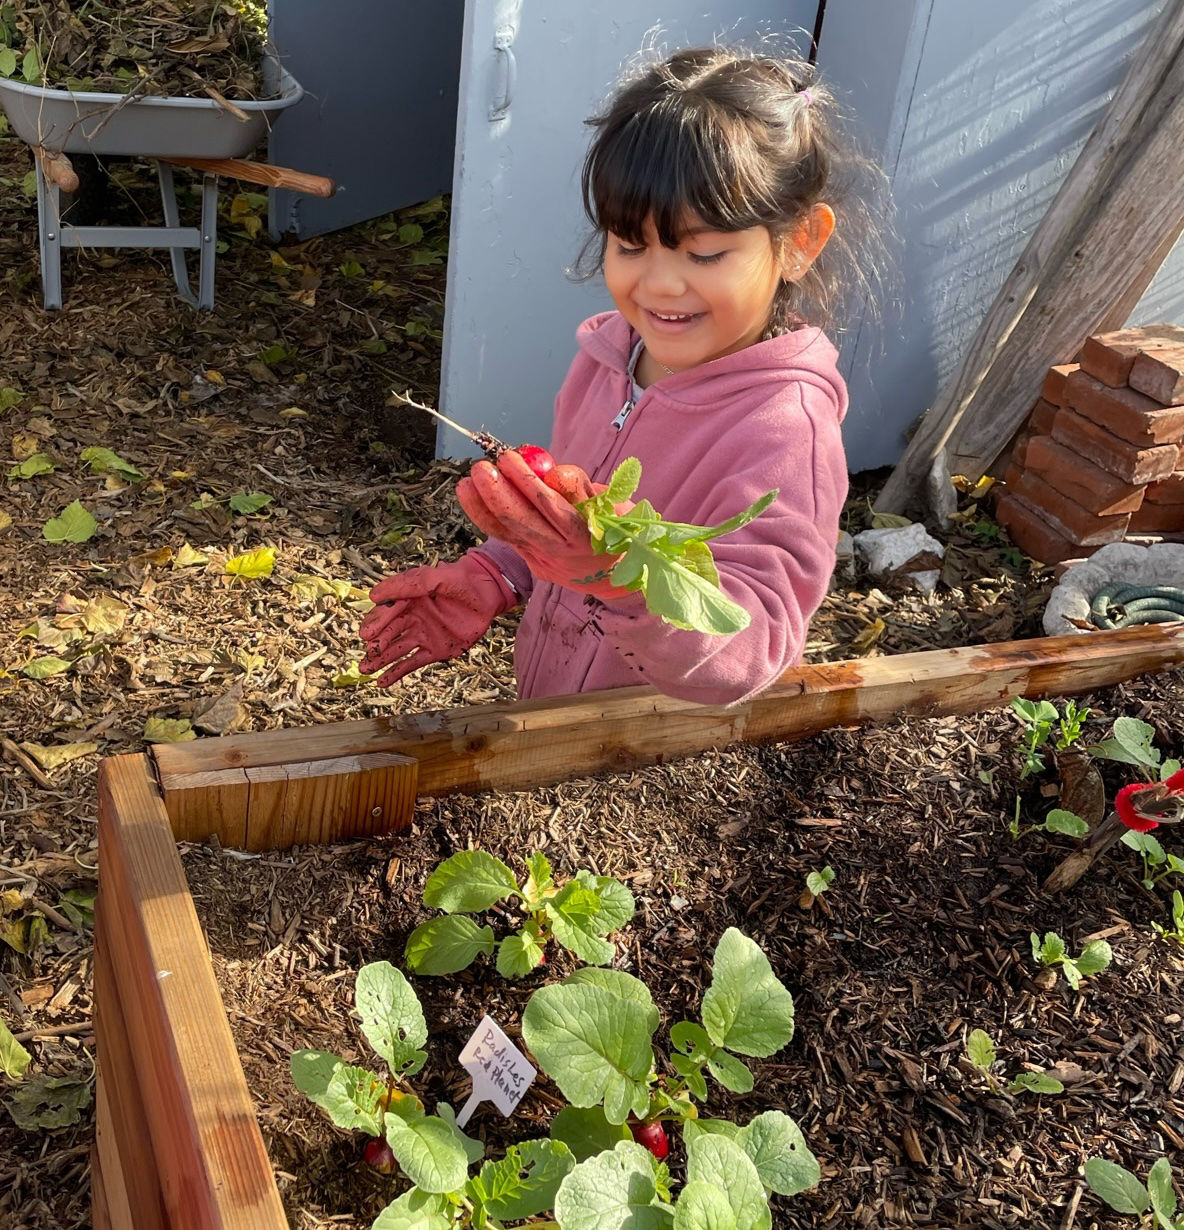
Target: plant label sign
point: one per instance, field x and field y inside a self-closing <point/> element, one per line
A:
<point x="501" y="1072"/>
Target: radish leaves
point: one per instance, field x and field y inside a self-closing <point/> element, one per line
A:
<point x="668" y="561"/>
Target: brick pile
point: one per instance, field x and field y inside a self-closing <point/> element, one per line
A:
<point x="1101" y="456"/>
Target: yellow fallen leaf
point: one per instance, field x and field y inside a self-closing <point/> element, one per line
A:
<point x="53" y="757"/>
<point x="214" y="377"/>
<point x="155" y="486"/>
<point x="257" y="563"/>
<point x="169" y="730"/>
<point x="42" y="668"/>
<point x="867" y="639"/>
<point x="350" y="677"/>
<point x="24" y="445"/>
<point x="889" y="521"/>
<point x="5" y="520"/>
<point x="180" y="474"/>
<point x="104" y="616"/>
<point x="187" y="557"/>
<point x="293" y="412"/>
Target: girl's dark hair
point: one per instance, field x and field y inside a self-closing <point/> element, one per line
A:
<point x="740" y="140"/>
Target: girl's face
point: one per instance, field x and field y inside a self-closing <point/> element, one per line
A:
<point x="709" y="297"/>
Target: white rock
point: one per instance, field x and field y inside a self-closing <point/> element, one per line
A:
<point x="886" y="550"/>
<point x="1125" y="563"/>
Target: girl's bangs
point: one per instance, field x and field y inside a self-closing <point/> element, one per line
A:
<point x="661" y="167"/>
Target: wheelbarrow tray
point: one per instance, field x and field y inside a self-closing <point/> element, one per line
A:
<point x="65" y="121"/>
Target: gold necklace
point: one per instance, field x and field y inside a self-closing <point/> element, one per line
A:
<point x="668" y="370"/>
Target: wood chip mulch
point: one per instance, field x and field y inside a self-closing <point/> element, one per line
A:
<point x="282" y="391"/>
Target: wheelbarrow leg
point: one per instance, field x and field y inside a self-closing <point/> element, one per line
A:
<point x="49" y="223"/>
<point x="207" y="237"/>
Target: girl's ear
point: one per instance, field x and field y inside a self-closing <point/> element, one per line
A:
<point x="808" y="238"/>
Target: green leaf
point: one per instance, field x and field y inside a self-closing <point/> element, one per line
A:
<point x="246" y="503"/>
<point x="473" y="1148"/>
<point x="1048" y="951"/>
<point x="1035" y="1082"/>
<point x="719" y="1166"/>
<point x="47" y="1102"/>
<point x="104" y="461"/>
<point x="524" y="1182"/>
<point x="519" y="953"/>
<point x="593" y="1037"/>
<point x="746" y="1009"/>
<point x="1130" y="743"/>
<point x="14" y="1059"/>
<point x="538" y="881"/>
<point x="586" y="1131"/>
<point x="1145" y="844"/>
<point x="684" y="599"/>
<point x="43" y="668"/>
<point x="72" y="524"/>
<point x="428" y="1151"/>
<point x="623" y="483"/>
<point x="31" y="66"/>
<point x="616" y="904"/>
<point x="415" y="1210"/>
<point x="682" y="533"/>
<point x="447" y="944"/>
<point x="817" y="882"/>
<point x="469" y="882"/>
<point x="312" y="1071"/>
<point x="980" y="1050"/>
<point x="7" y="62"/>
<point x="1116" y="1186"/>
<point x="1095" y="957"/>
<point x="38" y="463"/>
<point x="613" y="1191"/>
<point x="573" y="914"/>
<point x="1159" y="1188"/>
<point x="731" y="1072"/>
<point x="1060" y="821"/>
<point x="692" y="1073"/>
<point x="775" y="1145"/>
<point x="392" y="1018"/>
<point x="351" y="1099"/>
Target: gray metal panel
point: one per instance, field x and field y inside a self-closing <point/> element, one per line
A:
<point x="379" y="113"/>
<point x="511" y="315"/>
<point x="978" y="112"/>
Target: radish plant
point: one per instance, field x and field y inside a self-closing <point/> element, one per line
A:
<point x="1051" y="951"/>
<point x="1153" y="1202"/>
<point x="430" y="1149"/>
<point x="593" y="1036"/>
<point x="577" y="915"/>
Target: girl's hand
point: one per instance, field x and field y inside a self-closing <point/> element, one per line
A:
<point x="536" y="517"/>
<point x="428" y="615"/>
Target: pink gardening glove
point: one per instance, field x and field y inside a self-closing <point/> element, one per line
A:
<point x="430" y="614"/>
<point x="509" y="501"/>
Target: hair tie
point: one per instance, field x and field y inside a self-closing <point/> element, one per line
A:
<point x="807" y="97"/>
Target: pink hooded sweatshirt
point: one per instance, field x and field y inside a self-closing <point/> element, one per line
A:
<point x="710" y="440"/>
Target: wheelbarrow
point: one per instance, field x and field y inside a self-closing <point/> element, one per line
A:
<point x="209" y="135"/>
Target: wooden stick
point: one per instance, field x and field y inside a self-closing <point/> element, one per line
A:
<point x="56" y="1031"/>
<point x="261" y="173"/>
<point x="524" y="744"/>
<point x="1067" y="872"/>
<point x="31" y="767"/>
<point x="1056" y="244"/>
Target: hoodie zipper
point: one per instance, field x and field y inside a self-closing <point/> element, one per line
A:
<point x="625" y="411"/>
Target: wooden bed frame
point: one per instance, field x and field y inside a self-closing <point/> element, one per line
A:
<point x="177" y="1143"/>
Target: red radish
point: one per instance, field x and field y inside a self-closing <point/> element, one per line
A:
<point x="377" y="1153"/>
<point x="539" y="460"/>
<point x="653" y="1137"/>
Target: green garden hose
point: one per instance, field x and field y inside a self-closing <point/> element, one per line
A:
<point x="1122" y="606"/>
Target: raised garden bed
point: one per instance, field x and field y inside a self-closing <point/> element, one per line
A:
<point x="178" y="1142"/>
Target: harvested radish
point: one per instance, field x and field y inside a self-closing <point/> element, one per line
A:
<point x="653" y="1137"/>
<point x="377" y="1153"/>
<point x="539" y="460"/>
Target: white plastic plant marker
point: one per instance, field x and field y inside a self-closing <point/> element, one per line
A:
<point x="501" y="1072"/>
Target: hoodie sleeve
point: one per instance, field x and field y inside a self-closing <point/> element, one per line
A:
<point x="777" y="567"/>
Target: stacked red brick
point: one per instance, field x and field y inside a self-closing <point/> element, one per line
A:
<point x="1102" y="454"/>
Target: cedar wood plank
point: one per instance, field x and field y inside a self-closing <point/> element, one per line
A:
<point x="214" y="1170"/>
<point x="523" y="744"/>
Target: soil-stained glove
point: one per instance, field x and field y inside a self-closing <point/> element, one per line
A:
<point x="431" y="614"/>
<point x="509" y="501"/>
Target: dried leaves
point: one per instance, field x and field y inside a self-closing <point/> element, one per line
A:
<point x="157" y="47"/>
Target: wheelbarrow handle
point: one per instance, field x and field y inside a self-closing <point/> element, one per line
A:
<point x="261" y="173"/>
<point x="57" y="169"/>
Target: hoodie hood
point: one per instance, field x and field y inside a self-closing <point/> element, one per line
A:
<point x="806" y="354"/>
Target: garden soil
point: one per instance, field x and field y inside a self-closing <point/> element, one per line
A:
<point x="283" y="392"/>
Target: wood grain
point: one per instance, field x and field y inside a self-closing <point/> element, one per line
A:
<point x="213" y="1169"/>
<point x="525" y="744"/>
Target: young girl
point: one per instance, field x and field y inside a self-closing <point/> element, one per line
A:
<point x="711" y="183"/>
